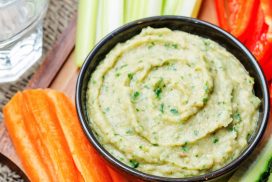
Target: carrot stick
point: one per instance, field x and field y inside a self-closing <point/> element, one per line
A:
<point x="116" y="177"/>
<point x="89" y="163"/>
<point x="52" y="135"/>
<point x="31" y="160"/>
<point x="36" y="139"/>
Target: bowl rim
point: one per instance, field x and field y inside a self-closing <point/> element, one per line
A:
<point x="4" y="160"/>
<point x="145" y="176"/>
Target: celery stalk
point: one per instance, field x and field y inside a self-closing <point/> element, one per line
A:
<point x="110" y="16"/>
<point x="182" y="7"/>
<point x="135" y="9"/>
<point x="115" y="14"/>
<point x="100" y="20"/>
<point x="154" y="8"/>
<point x="188" y="8"/>
<point x="141" y="8"/>
<point x="127" y="12"/>
<point x="131" y="11"/>
<point x="85" y="35"/>
<point x="170" y="7"/>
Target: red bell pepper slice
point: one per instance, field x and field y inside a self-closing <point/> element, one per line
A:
<point x="258" y="42"/>
<point x="222" y="15"/>
<point x="267" y="9"/>
<point x="236" y="16"/>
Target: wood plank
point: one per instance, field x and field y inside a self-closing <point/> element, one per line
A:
<point x="6" y="146"/>
<point x="55" y="58"/>
<point x="66" y="79"/>
<point x="207" y="12"/>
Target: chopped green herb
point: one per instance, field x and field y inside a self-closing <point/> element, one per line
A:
<point x="250" y="80"/>
<point x="155" y="144"/>
<point x="150" y="45"/>
<point x="195" y="132"/>
<point x="123" y="66"/>
<point x="205" y="100"/>
<point x="107" y="109"/>
<point x="158" y="92"/>
<point x="236" y="116"/>
<point x="175" y="46"/>
<point x="232" y="128"/>
<point x="146" y="86"/>
<point x="134" y="163"/>
<point x="215" y="140"/>
<point x="248" y="137"/>
<point x="129" y="131"/>
<point x="141" y="147"/>
<point x="117" y="74"/>
<point x="137" y="109"/>
<point x="158" y="88"/>
<point x="188" y="64"/>
<point x="135" y="95"/>
<point x="206" y="42"/>
<point x="130" y="76"/>
<point x="174" y="111"/>
<point x="171" y="45"/>
<point x="206" y="87"/>
<point x="185" y="148"/>
<point x="162" y="108"/>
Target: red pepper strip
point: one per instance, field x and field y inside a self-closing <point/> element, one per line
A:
<point x="236" y="16"/>
<point x="263" y="49"/>
<point x="222" y="14"/>
<point x="267" y="9"/>
<point x="257" y="42"/>
<point x="243" y="14"/>
<point x="258" y="28"/>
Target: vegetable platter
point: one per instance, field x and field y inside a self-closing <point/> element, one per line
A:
<point x="59" y="72"/>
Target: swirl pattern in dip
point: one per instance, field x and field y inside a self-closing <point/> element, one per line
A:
<point x="172" y="104"/>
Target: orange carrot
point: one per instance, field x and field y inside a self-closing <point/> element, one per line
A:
<point x="116" y="176"/>
<point x="52" y="135"/>
<point x="89" y="163"/>
<point x="36" y="139"/>
<point x="31" y="160"/>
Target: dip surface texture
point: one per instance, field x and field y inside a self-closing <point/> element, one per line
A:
<point x="172" y="104"/>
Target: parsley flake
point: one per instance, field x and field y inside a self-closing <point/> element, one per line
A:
<point x="133" y="163"/>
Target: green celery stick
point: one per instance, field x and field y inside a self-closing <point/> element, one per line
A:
<point x="86" y="23"/>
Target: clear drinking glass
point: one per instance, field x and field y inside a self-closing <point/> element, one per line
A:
<point x="20" y="36"/>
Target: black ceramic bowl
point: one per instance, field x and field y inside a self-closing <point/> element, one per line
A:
<point x="13" y="168"/>
<point x="192" y="26"/>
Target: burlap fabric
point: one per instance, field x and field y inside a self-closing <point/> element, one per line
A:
<point x="59" y="14"/>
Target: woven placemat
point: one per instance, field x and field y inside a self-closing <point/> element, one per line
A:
<point x="58" y="16"/>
